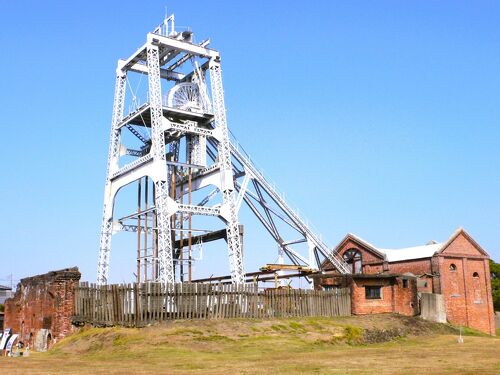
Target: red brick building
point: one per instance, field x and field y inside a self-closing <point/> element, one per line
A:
<point x="376" y="294"/>
<point x="43" y="302"/>
<point x="457" y="268"/>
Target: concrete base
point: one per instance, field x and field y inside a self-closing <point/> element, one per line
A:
<point x="432" y="307"/>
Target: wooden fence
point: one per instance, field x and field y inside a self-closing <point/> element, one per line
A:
<point x="140" y="304"/>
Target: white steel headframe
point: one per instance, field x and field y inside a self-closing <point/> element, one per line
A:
<point x="152" y="59"/>
<point x="199" y="122"/>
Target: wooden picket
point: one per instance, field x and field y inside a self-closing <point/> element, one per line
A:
<point x="137" y="305"/>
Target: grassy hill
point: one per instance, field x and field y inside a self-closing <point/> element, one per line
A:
<point x="375" y="344"/>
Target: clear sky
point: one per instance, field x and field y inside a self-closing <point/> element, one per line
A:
<point x="379" y="118"/>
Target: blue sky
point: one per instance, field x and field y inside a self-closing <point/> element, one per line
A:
<point x="377" y="118"/>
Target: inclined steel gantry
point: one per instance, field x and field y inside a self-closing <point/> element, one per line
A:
<point x="187" y="155"/>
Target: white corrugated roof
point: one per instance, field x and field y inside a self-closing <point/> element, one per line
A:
<point x="416" y="252"/>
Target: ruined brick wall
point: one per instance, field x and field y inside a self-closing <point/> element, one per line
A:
<point x="43" y="302"/>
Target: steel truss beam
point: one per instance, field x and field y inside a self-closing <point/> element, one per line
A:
<point x="284" y="213"/>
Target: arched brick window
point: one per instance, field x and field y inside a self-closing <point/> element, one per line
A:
<point x="454" y="281"/>
<point x="353" y="258"/>
<point x="476" y="285"/>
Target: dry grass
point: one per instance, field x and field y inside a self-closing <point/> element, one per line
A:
<point x="320" y="346"/>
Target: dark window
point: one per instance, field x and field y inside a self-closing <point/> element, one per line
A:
<point x="405" y="283"/>
<point x="476" y="285"/>
<point x="353" y="258"/>
<point x="373" y="292"/>
<point x="453" y="267"/>
<point x="47" y="322"/>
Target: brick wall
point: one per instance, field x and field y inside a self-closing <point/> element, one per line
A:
<point x="466" y="284"/>
<point x="467" y="291"/>
<point x="461" y="245"/>
<point x="396" y="297"/>
<point x="436" y="277"/>
<point x="406" y="298"/>
<point x="415" y="266"/>
<point x="361" y="306"/>
<point x="43" y="302"/>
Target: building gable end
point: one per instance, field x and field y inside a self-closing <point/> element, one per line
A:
<point x="354" y="243"/>
<point x="461" y="243"/>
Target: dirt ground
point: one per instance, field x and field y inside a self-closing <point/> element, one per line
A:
<point x="379" y="345"/>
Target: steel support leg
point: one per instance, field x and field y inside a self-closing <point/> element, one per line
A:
<point x="227" y="184"/>
<point x="113" y="154"/>
<point x="165" y="245"/>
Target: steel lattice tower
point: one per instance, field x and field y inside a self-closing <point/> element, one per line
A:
<point x="187" y="150"/>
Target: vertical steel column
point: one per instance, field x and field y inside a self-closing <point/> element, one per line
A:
<point x="146" y="251"/>
<point x="146" y="226"/>
<point x="154" y="239"/>
<point x="180" y="226"/>
<point x="190" y="225"/>
<point x="197" y="149"/>
<point x="226" y="172"/>
<point x="166" y="271"/>
<point x="139" y="242"/>
<point x="113" y="154"/>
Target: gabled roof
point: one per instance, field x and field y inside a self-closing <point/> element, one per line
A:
<point x="409" y="253"/>
<point x="462" y="231"/>
<point x="359" y="241"/>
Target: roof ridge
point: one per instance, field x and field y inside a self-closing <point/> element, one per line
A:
<point x="413" y="247"/>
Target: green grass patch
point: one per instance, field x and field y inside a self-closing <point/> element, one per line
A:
<point x="296" y="326"/>
<point x="219" y="338"/>
<point x="466" y="331"/>
<point x="353" y="335"/>
<point x="279" y="327"/>
<point x="314" y="324"/>
<point x="185" y="331"/>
